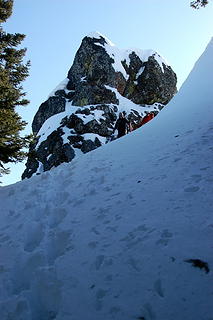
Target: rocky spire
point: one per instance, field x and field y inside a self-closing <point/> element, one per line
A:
<point x="103" y="80"/>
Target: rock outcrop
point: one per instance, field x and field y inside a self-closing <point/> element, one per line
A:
<point x="80" y="113"/>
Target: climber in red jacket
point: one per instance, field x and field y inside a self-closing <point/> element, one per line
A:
<point x="147" y="118"/>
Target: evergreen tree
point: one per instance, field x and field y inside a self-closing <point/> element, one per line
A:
<point x="198" y="3"/>
<point x="12" y="72"/>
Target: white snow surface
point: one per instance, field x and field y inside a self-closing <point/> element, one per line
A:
<point x="98" y="35"/>
<point x="107" y="235"/>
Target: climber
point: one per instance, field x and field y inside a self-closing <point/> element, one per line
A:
<point x="147" y="118"/>
<point x="122" y="125"/>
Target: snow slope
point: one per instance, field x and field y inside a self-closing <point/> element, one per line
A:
<point x="108" y="236"/>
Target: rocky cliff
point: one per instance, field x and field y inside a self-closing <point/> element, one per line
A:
<point x="79" y="115"/>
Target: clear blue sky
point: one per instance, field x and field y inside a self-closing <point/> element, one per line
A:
<point x="54" y="30"/>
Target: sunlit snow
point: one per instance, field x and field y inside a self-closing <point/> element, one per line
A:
<point x="114" y="233"/>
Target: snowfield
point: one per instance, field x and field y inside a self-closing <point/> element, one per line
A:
<point x="123" y="232"/>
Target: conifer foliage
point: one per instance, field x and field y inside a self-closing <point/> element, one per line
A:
<point x="12" y="72"/>
<point x="198" y="3"/>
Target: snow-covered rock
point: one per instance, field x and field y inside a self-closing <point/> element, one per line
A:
<point x="102" y="81"/>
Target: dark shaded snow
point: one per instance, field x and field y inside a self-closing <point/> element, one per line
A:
<point x="108" y="236"/>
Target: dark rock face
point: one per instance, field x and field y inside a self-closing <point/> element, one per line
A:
<point x="50" y="153"/>
<point x="153" y="85"/>
<point x="87" y="94"/>
<point x="98" y="85"/>
<point x="89" y="145"/>
<point x="47" y="109"/>
<point x="93" y="62"/>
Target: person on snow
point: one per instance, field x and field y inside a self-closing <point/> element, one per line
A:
<point x="122" y="125"/>
<point x="147" y="118"/>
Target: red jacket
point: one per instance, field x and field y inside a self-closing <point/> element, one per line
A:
<point x="146" y="119"/>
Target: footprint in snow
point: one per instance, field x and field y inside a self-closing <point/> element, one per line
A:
<point x="165" y="237"/>
<point x="192" y="189"/>
<point x="158" y="288"/>
<point x="34" y="236"/>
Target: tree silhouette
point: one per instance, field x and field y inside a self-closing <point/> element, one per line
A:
<point x="12" y="72"/>
<point x="198" y="4"/>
